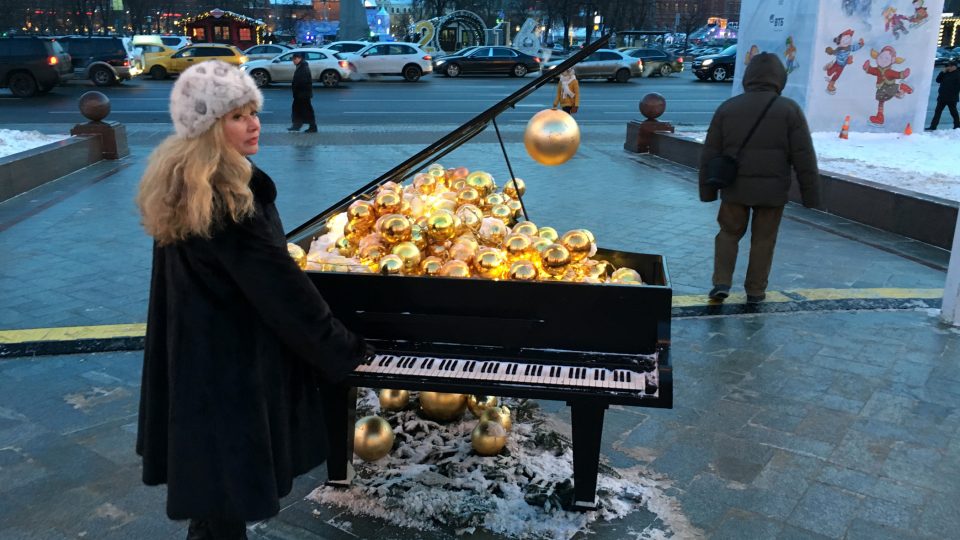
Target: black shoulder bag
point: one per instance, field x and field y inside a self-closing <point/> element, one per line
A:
<point x="722" y="169"/>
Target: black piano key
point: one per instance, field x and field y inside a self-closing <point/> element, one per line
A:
<point x="453" y="366"/>
<point x="596" y="375"/>
<point x="539" y="371"/>
<point x="526" y="370"/>
<point x="603" y="375"/>
<point x="628" y="377"/>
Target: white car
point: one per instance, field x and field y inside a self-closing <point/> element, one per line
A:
<point x="326" y="68"/>
<point x="267" y="51"/>
<point x="177" y="42"/>
<point x="407" y="60"/>
<point x="346" y="46"/>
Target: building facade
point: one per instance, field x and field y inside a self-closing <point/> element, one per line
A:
<point x="675" y="14"/>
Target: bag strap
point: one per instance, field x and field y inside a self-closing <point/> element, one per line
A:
<point x="754" y="128"/>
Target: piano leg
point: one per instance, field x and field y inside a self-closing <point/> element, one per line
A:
<point x="587" y="424"/>
<point x="340" y="410"/>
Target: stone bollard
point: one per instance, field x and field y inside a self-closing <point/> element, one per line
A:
<point x="640" y="134"/>
<point x="95" y="106"/>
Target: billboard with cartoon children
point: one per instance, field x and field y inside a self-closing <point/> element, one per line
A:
<point x="871" y="59"/>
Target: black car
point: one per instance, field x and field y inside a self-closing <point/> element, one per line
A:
<point x="103" y="60"/>
<point x="486" y="61"/>
<point x="657" y="61"/>
<point x="31" y="65"/>
<point x="716" y="67"/>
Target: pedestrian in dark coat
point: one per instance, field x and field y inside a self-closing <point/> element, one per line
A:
<point x="947" y="95"/>
<point x="302" y="96"/>
<point x="239" y="345"/>
<point x="780" y="146"/>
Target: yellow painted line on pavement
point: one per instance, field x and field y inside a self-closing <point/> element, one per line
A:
<point x="860" y="294"/>
<point x="73" y="333"/>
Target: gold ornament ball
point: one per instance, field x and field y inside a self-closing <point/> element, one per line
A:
<point x="410" y="253"/>
<point x="468" y="195"/>
<point x="555" y="259"/>
<point x="518" y="246"/>
<point x="478" y="404"/>
<point x="298" y="255"/>
<point x="441" y="226"/>
<point x="445" y="204"/>
<point x="425" y="184"/>
<point x="390" y="185"/>
<point x="388" y="202"/>
<point x="541" y="244"/>
<point x="488" y="438"/>
<point x="589" y="235"/>
<point x="528" y="228"/>
<point x="500" y="415"/>
<point x="394" y="228"/>
<point x="362" y="211"/>
<point x="442" y="406"/>
<point x="577" y="243"/>
<point x="455" y="268"/>
<point x="490" y="263"/>
<point x="370" y="255"/>
<point x="470" y="216"/>
<point x="459" y="173"/>
<point x="492" y="231"/>
<point x="552" y="137"/>
<point x="372" y="438"/>
<point x="522" y="270"/>
<point x="494" y="199"/>
<point x="394" y="400"/>
<point x="457" y="185"/>
<point x="418" y="237"/>
<point x="355" y="230"/>
<point x="549" y="233"/>
<point x="502" y="212"/>
<point x="481" y="181"/>
<point x="512" y="190"/>
<point x="626" y="276"/>
<point x="391" y="265"/>
<point x="464" y="251"/>
<point x="431" y="266"/>
<point x="517" y="208"/>
<point x="345" y="247"/>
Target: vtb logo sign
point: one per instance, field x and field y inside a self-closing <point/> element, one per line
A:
<point x="776" y="22"/>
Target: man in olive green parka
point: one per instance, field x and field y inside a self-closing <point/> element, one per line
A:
<point x="780" y="146"/>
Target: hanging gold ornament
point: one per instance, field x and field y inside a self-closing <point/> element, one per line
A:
<point x="512" y="190"/>
<point x="470" y="216"/>
<point x="391" y="265"/>
<point x="441" y="226"/>
<point x="549" y="233"/>
<point x="478" y="404"/>
<point x="555" y="259"/>
<point x="481" y="181"/>
<point x="410" y="253"/>
<point x="394" y="228"/>
<point x="577" y="243"/>
<point x="431" y="266"/>
<point x="468" y="195"/>
<point x="362" y="211"/>
<point x="518" y="246"/>
<point x="528" y="228"/>
<point x="488" y="438"/>
<point x="523" y="270"/>
<point x="298" y="255"/>
<point x="388" y="202"/>
<point x="492" y="231"/>
<point x="372" y="438"/>
<point x="500" y="415"/>
<point x="345" y="247"/>
<point x="490" y="263"/>
<point x="517" y="208"/>
<point x="455" y="268"/>
<point x="394" y="400"/>
<point x="551" y="137"/>
<point x="442" y="406"/>
<point x="626" y="276"/>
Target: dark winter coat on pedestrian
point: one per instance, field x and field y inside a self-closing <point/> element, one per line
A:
<point x="781" y="142"/>
<point x="302" y="94"/>
<point x="949" y="91"/>
<point x="239" y="346"/>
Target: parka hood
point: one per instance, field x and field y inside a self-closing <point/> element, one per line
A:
<point x="765" y="72"/>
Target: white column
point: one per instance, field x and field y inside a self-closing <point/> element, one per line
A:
<point x="950" y="310"/>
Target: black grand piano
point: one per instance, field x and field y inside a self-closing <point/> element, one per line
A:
<point x="590" y="345"/>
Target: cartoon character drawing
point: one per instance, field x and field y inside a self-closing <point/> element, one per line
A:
<point x="754" y="50"/>
<point x="894" y="22"/>
<point x="844" y="55"/>
<point x="854" y="7"/>
<point x="919" y="14"/>
<point x="791" y="55"/>
<point x="888" y="79"/>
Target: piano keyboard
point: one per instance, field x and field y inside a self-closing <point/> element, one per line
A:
<point x="511" y="372"/>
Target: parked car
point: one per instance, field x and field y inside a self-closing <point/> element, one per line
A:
<point x="105" y="60"/>
<point x="657" y="62"/>
<point x="945" y="55"/>
<point x="265" y="52"/>
<point x="347" y="46"/>
<point x="32" y="65"/>
<point x="177" y="62"/>
<point x="151" y="56"/>
<point x="488" y="61"/>
<point x="605" y="64"/>
<point x="716" y="67"/>
<point x="177" y="42"/>
<point x="325" y="67"/>
<point x="405" y="59"/>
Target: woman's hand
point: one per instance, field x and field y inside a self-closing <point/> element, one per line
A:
<point x="574" y="109"/>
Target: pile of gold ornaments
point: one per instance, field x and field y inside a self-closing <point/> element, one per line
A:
<point x="457" y="223"/>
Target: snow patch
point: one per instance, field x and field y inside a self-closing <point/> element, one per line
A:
<point x="13" y="141"/>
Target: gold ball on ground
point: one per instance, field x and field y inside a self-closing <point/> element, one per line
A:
<point x="555" y="259"/>
<point x="442" y="406"/>
<point x="391" y="265"/>
<point x="500" y="414"/>
<point x="372" y="438"/>
<point x="394" y="400"/>
<point x="394" y="228"/>
<point x="549" y="233"/>
<point x="298" y="255"/>
<point x="577" y="243"/>
<point x="431" y="266"/>
<point x="455" y="268"/>
<point x="493" y="199"/>
<point x="481" y="181"/>
<point x="387" y="202"/>
<point x="518" y="246"/>
<point x="441" y="226"/>
<point x="551" y="137"/>
<point x="362" y="211"/>
<point x="626" y="276"/>
<point x="490" y="263"/>
<point x="528" y="228"/>
<point x="478" y="404"/>
<point x="410" y="253"/>
<point x="522" y="270"/>
<point x="512" y="190"/>
<point x="488" y="438"/>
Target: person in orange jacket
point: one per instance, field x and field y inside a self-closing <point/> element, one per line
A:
<point x="568" y="92"/>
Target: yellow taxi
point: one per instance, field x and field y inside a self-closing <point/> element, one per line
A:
<point x="161" y="66"/>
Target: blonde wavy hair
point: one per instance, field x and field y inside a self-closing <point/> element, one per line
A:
<point x="191" y="184"/>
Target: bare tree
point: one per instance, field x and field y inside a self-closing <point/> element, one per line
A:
<point x="691" y="19"/>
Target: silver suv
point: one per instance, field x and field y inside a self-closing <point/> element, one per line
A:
<point x="604" y="64"/>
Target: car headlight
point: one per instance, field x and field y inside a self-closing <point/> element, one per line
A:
<point x="707" y="62"/>
<point x="439" y="62"/>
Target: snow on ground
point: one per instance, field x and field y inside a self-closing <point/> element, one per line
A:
<point x="12" y="141"/>
<point x="925" y="162"/>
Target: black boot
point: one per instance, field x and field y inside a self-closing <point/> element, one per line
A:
<point x="311" y="129"/>
<point x="198" y="530"/>
<point x="227" y="529"/>
<point x="295" y="127"/>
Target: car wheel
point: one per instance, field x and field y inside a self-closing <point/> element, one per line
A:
<point x="519" y="70"/>
<point x="453" y="70"/>
<point x="158" y="73"/>
<point x="330" y="78"/>
<point x="22" y="84"/>
<point x="260" y="77"/>
<point x="412" y="73"/>
<point x="623" y="75"/>
<point x="102" y="76"/>
<point x="719" y="74"/>
<point x="665" y="70"/>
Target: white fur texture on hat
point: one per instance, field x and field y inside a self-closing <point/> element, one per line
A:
<point x="204" y="92"/>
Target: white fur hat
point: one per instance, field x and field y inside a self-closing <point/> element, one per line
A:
<point x="204" y="92"/>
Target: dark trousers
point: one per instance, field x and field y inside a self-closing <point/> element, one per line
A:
<point x="764" y="225"/>
<point x="939" y="110"/>
<point x="303" y="112"/>
<point x="217" y="529"/>
<point x="567" y="109"/>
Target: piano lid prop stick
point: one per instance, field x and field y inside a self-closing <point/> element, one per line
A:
<point x="503" y="148"/>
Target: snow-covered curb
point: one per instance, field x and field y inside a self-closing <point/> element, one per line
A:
<point x="14" y="142"/>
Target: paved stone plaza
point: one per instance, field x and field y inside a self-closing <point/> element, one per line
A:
<point x="831" y="412"/>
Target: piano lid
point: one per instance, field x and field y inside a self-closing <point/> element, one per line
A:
<point x="449" y="142"/>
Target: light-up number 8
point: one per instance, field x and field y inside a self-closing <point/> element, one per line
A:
<point x="428" y="30"/>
